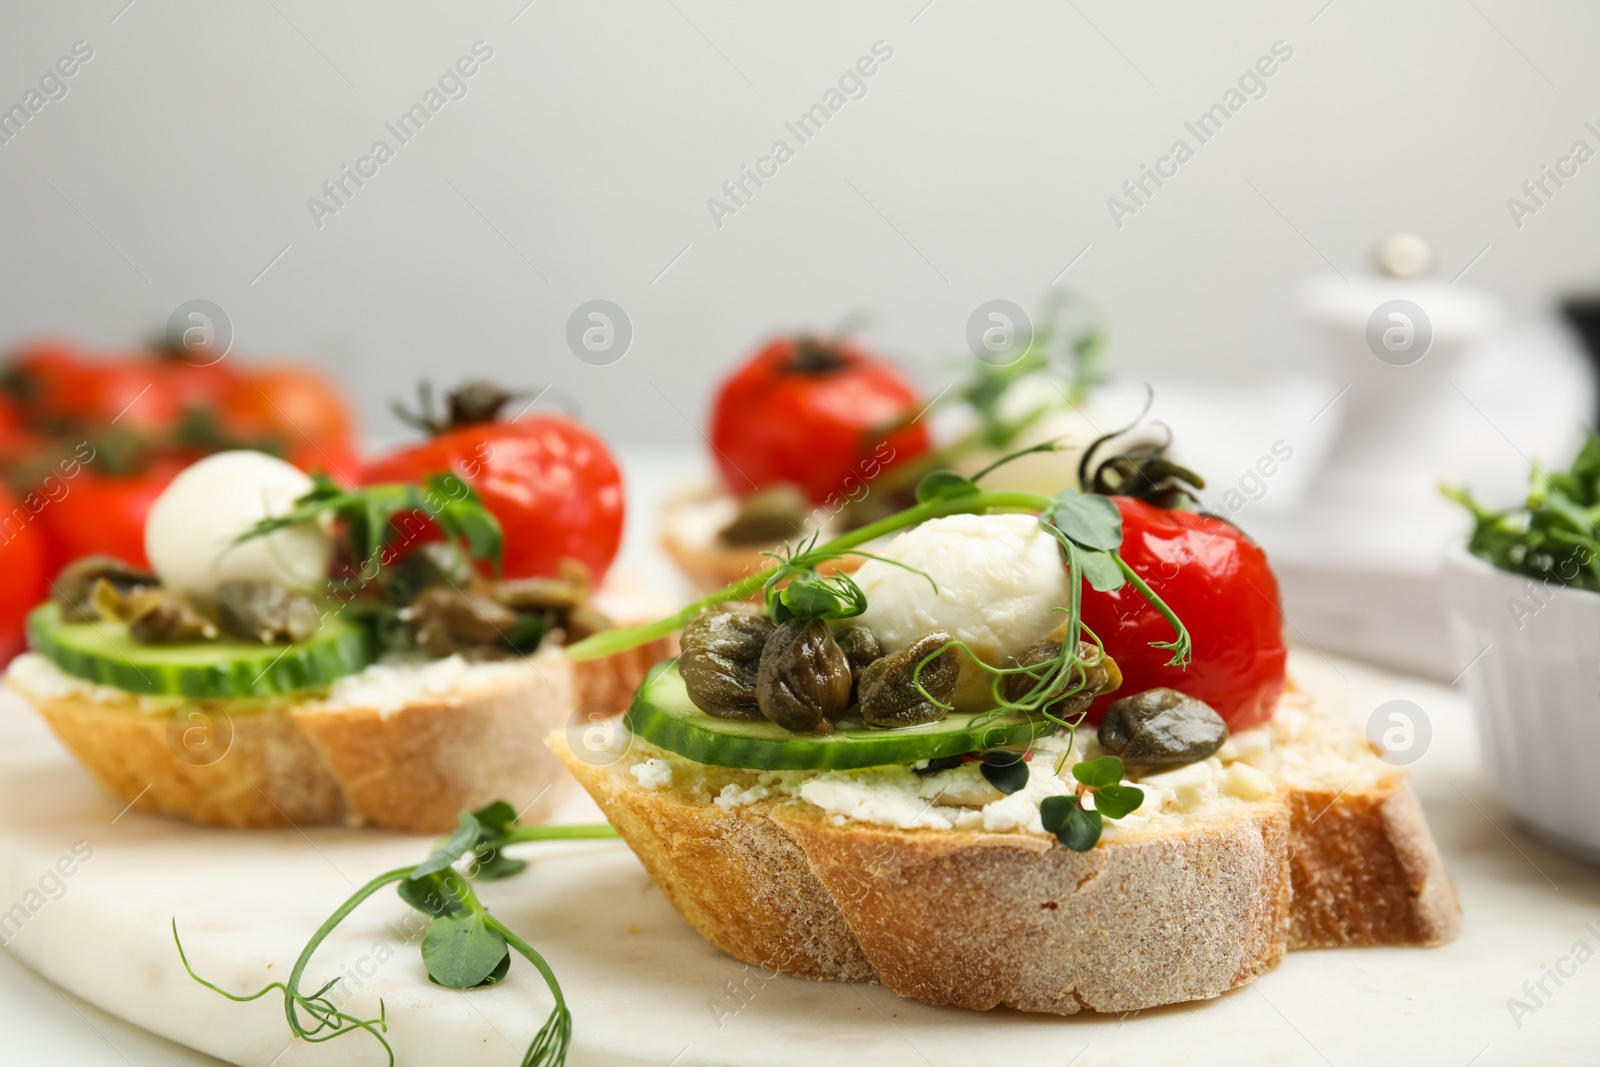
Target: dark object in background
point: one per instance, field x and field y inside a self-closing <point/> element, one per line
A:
<point x="1583" y="315"/>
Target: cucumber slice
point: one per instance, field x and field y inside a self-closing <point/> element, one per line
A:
<point x="663" y="715"/>
<point x="102" y="652"/>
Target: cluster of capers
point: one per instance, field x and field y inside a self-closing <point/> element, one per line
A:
<point x="805" y="675"/>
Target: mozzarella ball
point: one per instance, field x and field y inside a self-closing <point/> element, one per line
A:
<point x="1000" y="577"/>
<point x="190" y="532"/>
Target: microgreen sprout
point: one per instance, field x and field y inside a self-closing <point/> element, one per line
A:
<point x="794" y="588"/>
<point x="367" y="514"/>
<point x="1078" y="826"/>
<point x="463" y="947"/>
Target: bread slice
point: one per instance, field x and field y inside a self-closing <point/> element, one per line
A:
<point x="1366" y="871"/>
<point x="1162" y="911"/>
<point x="409" y="755"/>
<point x="1364" y="865"/>
<point x="690" y="523"/>
<point x="967" y="918"/>
<point x="380" y="749"/>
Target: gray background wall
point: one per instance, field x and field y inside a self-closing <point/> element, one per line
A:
<point x="580" y="160"/>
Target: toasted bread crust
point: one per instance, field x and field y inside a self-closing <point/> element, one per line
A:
<point x="419" y="767"/>
<point x="986" y="920"/>
<point x="1366" y="871"/>
<point x="270" y="774"/>
<point x="736" y="876"/>
<point x="971" y="919"/>
<point x="708" y="563"/>
<point x="412" y="769"/>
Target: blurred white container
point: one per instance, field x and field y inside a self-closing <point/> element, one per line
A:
<point x="1535" y="692"/>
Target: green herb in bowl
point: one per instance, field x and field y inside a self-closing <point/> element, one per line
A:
<point x="1555" y="534"/>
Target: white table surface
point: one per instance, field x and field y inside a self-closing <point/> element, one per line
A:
<point x="1526" y="907"/>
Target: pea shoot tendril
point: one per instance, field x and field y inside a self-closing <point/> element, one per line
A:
<point x="464" y="946"/>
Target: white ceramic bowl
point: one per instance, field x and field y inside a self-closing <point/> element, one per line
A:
<point x="1535" y="691"/>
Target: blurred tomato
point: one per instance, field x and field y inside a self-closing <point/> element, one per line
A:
<point x="103" y="514"/>
<point x="17" y="442"/>
<point x="552" y="484"/>
<point x="58" y="386"/>
<point x="813" y="413"/>
<point x="299" y="408"/>
<point x="195" y="378"/>
<point x="91" y="439"/>
<point x="51" y="379"/>
<point x="22" y="557"/>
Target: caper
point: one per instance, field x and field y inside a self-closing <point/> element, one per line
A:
<point x="768" y="517"/>
<point x="1161" y="728"/>
<point x="564" y="593"/>
<point x="153" y="615"/>
<point x="1103" y="677"/>
<point x="73" y="588"/>
<point x="860" y="647"/>
<point x="583" y="621"/>
<point x="265" y="611"/>
<point x="889" y="693"/>
<point x="721" y="660"/>
<point x="804" y="681"/>
<point x="562" y="601"/>
<point x="445" y="619"/>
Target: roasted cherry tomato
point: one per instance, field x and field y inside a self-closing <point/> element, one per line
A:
<point x="1218" y="583"/>
<point x="54" y="383"/>
<point x="22" y="559"/>
<point x="296" y="408"/>
<point x="17" y="442"/>
<point x="196" y="378"/>
<point x="822" y="415"/>
<point x="59" y="387"/>
<point x="552" y="484"/>
<point x="95" y="512"/>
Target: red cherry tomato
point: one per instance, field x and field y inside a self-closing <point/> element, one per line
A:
<point x="17" y="442"/>
<point x="300" y="409"/>
<point x="56" y="385"/>
<point x="97" y="513"/>
<point x="812" y="414"/>
<point x="22" y="560"/>
<point x="552" y="484"/>
<point x="1218" y="583"/>
<point x="196" y="379"/>
<point x="134" y="394"/>
<point x="52" y="381"/>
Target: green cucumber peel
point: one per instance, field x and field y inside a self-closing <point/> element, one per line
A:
<point x="663" y="716"/>
<point x="102" y="652"/>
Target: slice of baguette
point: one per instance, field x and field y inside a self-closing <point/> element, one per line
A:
<point x="690" y="523"/>
<point x="972" y="919"/>
<point x="409" y="763"/>
<point x="1364" y="865"/>
<point x="1170" y="911"/>
<point x="1366" y="871"/>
